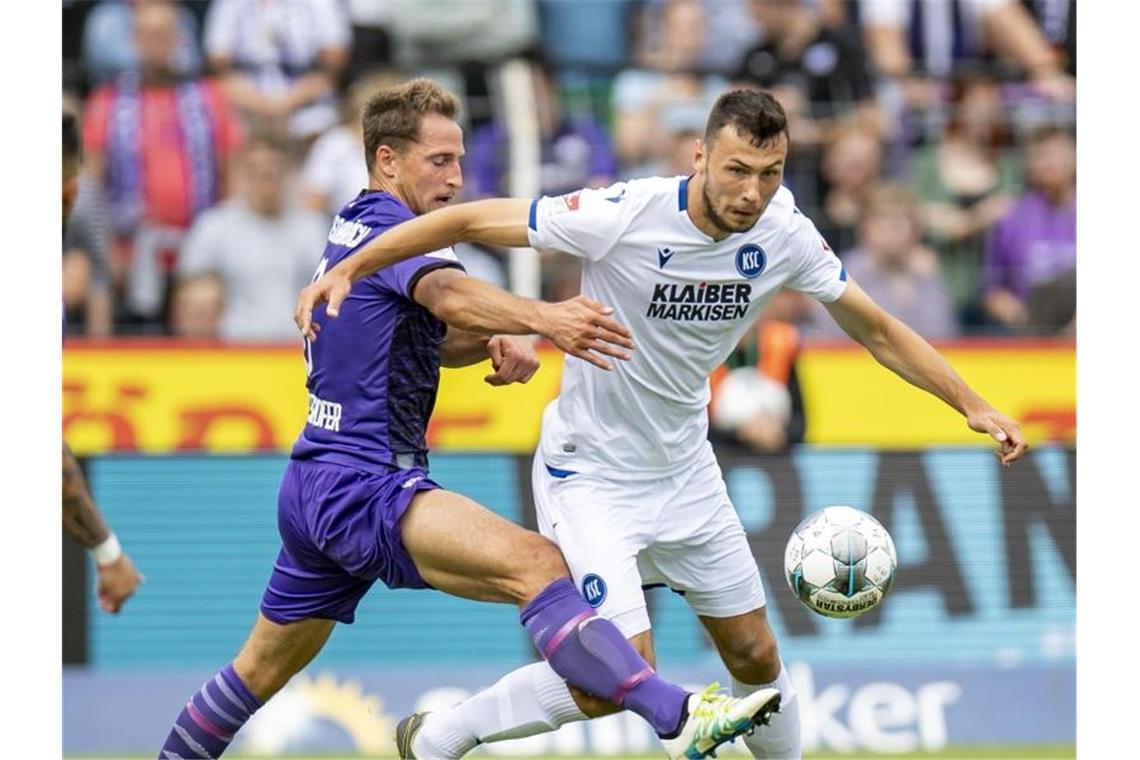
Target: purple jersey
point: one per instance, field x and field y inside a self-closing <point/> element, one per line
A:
<point x="1034" y="243"/>
<point x="374" y="370"/>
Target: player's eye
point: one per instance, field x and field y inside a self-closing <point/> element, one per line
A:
<point x="738" y="171"/>
<point x="440" y="161"/>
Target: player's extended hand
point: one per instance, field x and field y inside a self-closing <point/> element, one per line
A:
<point x="117" y="583"/>
<point x="513" y="359"/>
<point x="581" y="326"/>
<point x="333" y="287"/>
<point x="1012" y="445"/>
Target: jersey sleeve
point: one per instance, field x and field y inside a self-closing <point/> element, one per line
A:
<point x="817" y="271"/>
<point x="584" y="223"/>
<point x="403" y="277"/>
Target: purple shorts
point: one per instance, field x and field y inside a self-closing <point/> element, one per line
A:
<point x="340" y="532"/>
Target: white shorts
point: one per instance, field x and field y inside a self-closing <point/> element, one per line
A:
<point x="680" y="531"/>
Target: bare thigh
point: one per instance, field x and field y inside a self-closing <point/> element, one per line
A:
<point x="274" y="653"/>
<point x="463" y="549"/>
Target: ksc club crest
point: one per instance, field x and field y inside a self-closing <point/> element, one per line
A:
<point x="594" y="589"/>
<point x="751" y="260"/>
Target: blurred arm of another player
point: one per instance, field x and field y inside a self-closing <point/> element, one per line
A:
<point x="579" y="326"/>
<point x="904" y="352"/>
<point x="118" y="577"/>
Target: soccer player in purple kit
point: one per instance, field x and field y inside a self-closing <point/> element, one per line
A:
<point x="357" y="503"/>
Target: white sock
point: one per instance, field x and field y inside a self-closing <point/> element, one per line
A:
<point x="780" y="740"/>
<point x="528" y="701"/>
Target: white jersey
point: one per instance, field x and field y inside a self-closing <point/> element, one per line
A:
<point x="688" y="301"/>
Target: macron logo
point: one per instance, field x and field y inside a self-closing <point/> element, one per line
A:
<point x="663" y="256"/>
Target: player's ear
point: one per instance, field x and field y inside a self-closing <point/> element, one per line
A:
<point x="385" y="161"/>
<point x="700" y="156"/>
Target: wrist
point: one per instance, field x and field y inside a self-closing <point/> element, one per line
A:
<point x="974" y="405"/>
<point x="108" y="552"/>
<point x="539" y="324"/>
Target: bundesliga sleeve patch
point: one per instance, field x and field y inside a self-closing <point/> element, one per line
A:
<point x="564" y="203"/>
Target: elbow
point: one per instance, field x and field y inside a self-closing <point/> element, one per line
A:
<point x="452" y="307"/>
<point x="878" y="339"/>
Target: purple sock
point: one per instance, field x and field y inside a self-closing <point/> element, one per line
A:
<point x="590" y="652"/>
<point x="208" y="722"/>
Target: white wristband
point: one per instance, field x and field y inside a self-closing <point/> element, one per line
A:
<point x="107" y="552"/>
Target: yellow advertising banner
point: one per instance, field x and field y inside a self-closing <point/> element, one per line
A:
<point x="849" y="399"/>
<point x="163" y="397"/>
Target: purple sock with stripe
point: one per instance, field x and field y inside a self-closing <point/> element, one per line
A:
<point x="591" y="653"/>
<point x="208" y="722"/>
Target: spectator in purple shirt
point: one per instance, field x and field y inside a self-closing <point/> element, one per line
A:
<point x="575" y="151"/>
<point x="1033" y="249"/>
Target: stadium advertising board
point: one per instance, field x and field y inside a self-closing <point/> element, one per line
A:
<point x="982" y="616"/>
<point x="162" y="398"/>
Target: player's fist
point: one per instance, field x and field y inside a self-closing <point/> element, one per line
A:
<point x="513" y="359"/>
<point x="1011" y="443"/>
<point x="581" y="326"/>
<point x="117" y="583"/>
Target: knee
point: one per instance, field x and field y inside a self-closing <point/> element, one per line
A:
<point x="263" y="676"/>
<point x="540" y="564"/>
<point x="753" y="660"/>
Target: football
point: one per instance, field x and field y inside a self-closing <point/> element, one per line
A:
<point x="840" y="562"/>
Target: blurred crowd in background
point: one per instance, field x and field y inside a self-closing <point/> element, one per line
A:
<point x="932" y="142"/>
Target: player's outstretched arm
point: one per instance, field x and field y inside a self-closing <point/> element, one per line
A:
<point x="580" y="326"/>
<point x="495" y="221"/>
<point x="908" y="355"/>
<point x="118" y="577"/>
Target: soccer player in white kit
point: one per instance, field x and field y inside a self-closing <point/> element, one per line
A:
<point x="625" y="480"/>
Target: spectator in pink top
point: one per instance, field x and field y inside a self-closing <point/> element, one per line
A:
<point x="158" y="143"/>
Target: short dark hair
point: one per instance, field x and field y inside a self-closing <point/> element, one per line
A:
<point x="755" y="114"/>
<point x="393" y="115"/>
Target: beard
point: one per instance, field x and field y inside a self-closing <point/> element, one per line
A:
<point x="721" y="223"/>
